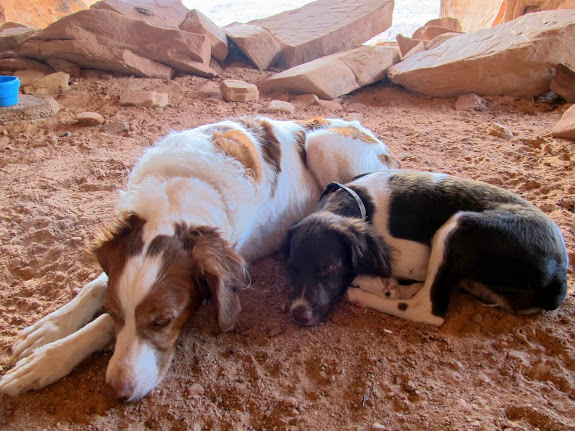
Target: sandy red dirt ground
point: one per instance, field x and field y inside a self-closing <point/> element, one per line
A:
<point x="483" y="369"/>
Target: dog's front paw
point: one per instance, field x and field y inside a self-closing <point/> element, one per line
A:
<point x="43" y="367"/>
<point x="390" y="288"/>
<point x="47" y="330"/>
<point x="351" y="295"/>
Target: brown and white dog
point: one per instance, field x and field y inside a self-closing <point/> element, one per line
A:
<point x="198" y="205"/>
<point x="433" y="230"/>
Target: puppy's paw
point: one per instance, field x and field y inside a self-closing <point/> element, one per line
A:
<point x="43" y="367"/>
<point x="390" y="288"/>
<point x="352" y="295"/>
<point x="47" y="330"/>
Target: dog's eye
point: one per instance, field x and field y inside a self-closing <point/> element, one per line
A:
<point x="327" y="270"/>
<point x="162" y="322"/>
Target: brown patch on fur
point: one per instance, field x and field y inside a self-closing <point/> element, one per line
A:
<point x="353" y="133"/>
<point x="390" y="161"/>
<point x="316" y="123"/>
<point x="272" y="151"/>
<point x="300" y="137"/>
<point x="238" y="145"/>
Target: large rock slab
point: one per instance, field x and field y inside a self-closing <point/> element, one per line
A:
<point x="337" y="74"/>
<point x="517" y="58"/>
<point x="18" y="63"/>
<point x="12" y="35"/>
<point x="256" y="43"/>
<point x="29" y="108"/>
<point x="93" y="56"/>
<point x="325" y="27"/>
<point x="179" y="49"/>
<point x="197" y="22"/>
<point x="160" y="13"/>
<point x="563" y="83"/>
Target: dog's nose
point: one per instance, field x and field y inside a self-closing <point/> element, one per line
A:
<point x="302" y="314"/>
<point x="122" y="391"/>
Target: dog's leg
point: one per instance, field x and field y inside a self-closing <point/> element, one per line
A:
<point x="386" y="287"/>
<point x="64" y="321"/>
<point x="420" y="307"/>
<point x="55" y="360"/>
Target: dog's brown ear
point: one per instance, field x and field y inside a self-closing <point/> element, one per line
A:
<point x="117" y="242"/>
<point x="218" y="271"/>
<point x="370" y="254"/>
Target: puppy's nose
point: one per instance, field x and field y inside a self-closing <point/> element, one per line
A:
<point x="122" y="391"/>
<point x="302" y="314"/>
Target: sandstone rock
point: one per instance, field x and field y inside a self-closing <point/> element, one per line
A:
<point x="563" y="83"/>
<point x="28" y="77"/>
<point x="89" y="119"/>
<point x="197" y="22"/>
<point x="55" y="83"/>
<point x="420" y="47"/>
<point x="93" y="55"/>
<point x="336" y="74"/>
<point x="164" y="13"/>
<point x="470" y="102"/>
<point x="432" y="32"/>
<point x="499" y="130"/>
<point x="29" y="108"/>
<point x="515" y="59"/>
<point x="438" y="40"/>
<point x="12" y="36"/>
<point x="448" y="22"/>
<point x="406" y="44"/>
<point x="437" y="26"/>
<point x="179" y="49"/>
<point x="40" y="13"/>
<point x="565" y="128"/>
<point x="330" y="105"/>
<point x="256" y="43"/>
<point x="280" y="106"/>
<point x="311" y="99"/>
<point x="473" y="15"/>
<point x="234" y="90"/>
<point x="146" y="99"/>
<point x="12" y="64"/>
<point x="322" y="27"/>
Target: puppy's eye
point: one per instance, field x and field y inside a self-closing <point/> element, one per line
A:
<point x="327" y="270"/>
<point x="161" y="322"/>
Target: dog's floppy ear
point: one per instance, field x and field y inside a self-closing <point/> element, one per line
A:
<point x="121" y="239"/>
<point x="370" y="255"/>
<point x="217" y="269"/>
<point x="332" y="187"/>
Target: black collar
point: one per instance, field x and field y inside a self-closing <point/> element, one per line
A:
<point x="334" y="186"/>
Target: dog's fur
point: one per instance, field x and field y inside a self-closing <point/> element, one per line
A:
<point x="198" y="205"/>
<point x="435" y="230"/>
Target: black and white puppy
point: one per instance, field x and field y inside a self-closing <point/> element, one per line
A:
<point x="435" y="230"/>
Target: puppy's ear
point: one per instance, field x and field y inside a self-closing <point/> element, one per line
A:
<point x="121" y="239"/>
<point x="370" y="255"/>
<point x="218" y="270"/>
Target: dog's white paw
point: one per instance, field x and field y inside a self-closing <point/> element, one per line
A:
<point x="390" y="288"/>
<point x="351" y="295"/>
<point x="43" y="367"/>
<point x="51" y="328"/>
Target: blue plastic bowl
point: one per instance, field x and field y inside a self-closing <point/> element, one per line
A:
<point x="9" y="90"/>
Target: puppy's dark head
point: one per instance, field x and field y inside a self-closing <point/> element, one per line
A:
<point x="325" y="252"/>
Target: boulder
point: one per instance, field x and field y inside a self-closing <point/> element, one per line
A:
<point x="40" y="13"/>
<point x="13" y="64"/>
<point x="92" y="55"/>
<point x="565" y="128"/>
<point x="196" y="22"/>
<point x="235" y="90"/>
<point x="256" y="43"/>
<point x="164" y="13"/>
<point x="406" y="44"/>
<point x="55" y="83"/>
<point x="438" y="40"/>
<point x="179" y="49"/>
<point x="563" y="83"/>
<point x="146" y="99"/>
<point x="337" y="74"/>
<point x="89" y="119"/>
<point x="473" y="15"/>
<point x="28" y="77"/>
<point x="517" y="58"/>
<point x="471" y="102"/>
<point x="12" y="35"/>
<point x="29" y="108"/>
<point x="324" y="27"/>
<point x="275" y="106"/>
